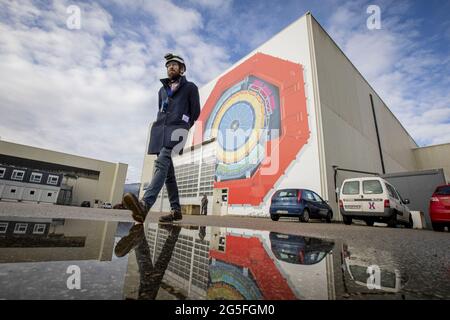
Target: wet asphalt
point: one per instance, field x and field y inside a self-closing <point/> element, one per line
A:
<point x="421" y="256"/>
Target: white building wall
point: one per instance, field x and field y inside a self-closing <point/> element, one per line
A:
<point x="347" y="119"/>
<point x="290" y="44"/>
<point x="434" y="157"/>
<point x="340" y="116"/>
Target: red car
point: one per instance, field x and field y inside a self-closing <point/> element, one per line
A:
<point x="440" y="208"/>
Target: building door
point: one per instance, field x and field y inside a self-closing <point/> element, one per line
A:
<point x="220" y="202"/>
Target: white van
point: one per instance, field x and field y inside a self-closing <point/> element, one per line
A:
<point x="373" y="199"/>
<point x="107" y="205"/>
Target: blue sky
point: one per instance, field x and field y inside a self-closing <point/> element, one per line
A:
<point x="92" y="91"/>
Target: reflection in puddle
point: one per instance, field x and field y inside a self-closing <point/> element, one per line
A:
<point x="223" y="263"/>
<point x="151" y="261"/>
<point x="363" y="270"/>
<point x="36" y="255"/>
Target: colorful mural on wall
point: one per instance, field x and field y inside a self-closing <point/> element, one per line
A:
<point x="245" y="117"/>
<point x="257" y="113"/>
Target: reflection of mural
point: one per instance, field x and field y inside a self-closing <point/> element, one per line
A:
<point x="264" y="280"/>
<point x="257" y="112"/>
<point x="228" y="282"/>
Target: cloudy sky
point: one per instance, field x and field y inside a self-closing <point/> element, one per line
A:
<point x="92" y="91"/>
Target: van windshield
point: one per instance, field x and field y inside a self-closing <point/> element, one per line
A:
<point x="372" y="187"/>
<point x="351" y="187"/>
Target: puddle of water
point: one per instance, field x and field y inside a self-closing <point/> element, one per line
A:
<point x="83" y="259"/>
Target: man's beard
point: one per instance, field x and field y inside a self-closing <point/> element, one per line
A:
<point x="175" y="77"/>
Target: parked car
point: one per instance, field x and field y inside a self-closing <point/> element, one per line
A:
<point x="107" y="205"/>
<point x="301" y="203"/>
<point x="373" y="199"/>
<point x="440" y="208"/>
<point x="86" y="204"/>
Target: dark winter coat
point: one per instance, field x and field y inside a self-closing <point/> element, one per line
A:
<point x="177" y="110"/>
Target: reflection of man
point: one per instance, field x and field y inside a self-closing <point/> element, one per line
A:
<point x="179" y="108"/>
<point x="150" y="275"/>
<point x="202" y="233"/>
<point x="204" y="210"/>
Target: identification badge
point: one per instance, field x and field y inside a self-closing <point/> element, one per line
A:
<point x="185" y="118"/>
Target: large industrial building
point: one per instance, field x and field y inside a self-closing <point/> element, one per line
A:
<point x="28" y="173"/>
<point x="294" y="113"/>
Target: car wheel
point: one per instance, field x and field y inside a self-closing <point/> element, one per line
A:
<point x="305" y="216"/>
<point x="329" y="217"/>
<point x="410" y="223"/>
<point x="370" y="222"/>
<point x="347" y="220"/>
<point x="438" y="227"/>
<point x="392" y="222"/>
<point x="274" y="217"/>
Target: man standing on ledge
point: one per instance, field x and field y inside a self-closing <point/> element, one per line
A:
<point x="179" y="108"/>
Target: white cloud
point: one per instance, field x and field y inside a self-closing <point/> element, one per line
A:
<point x="220" y="5"/>
<point x="93" y="91"/>
<point x="168" y="18"/>
<point x="398" y="63"/>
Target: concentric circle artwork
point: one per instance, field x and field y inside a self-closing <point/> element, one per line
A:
<point x="244" y="118"/>
<point x="257" y="115"/>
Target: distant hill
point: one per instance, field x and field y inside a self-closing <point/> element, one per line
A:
<point x="133" y="188"/>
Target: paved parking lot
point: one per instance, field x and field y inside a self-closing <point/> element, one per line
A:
<point x="422" y="256"/>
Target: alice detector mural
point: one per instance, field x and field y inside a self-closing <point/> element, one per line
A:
<point x="257" y="114"/>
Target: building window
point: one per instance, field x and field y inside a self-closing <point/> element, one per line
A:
<point x="18" y="175"/>
<point x="36" y="177"/>
<point x="12" y="190"/>
<point x="52" y="180"/>
<point x="21" y="228"/>
<point x="2" y="172"/>
<point x="49" y="194"/>
<point x="3" y="227"/>
<point x="39" y="229"/>
<point x="32" y="192"/>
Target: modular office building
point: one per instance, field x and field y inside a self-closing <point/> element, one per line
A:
<point x="38" y="175"/>
<point x="288" y="115"/>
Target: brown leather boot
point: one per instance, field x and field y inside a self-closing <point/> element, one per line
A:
<point x="138" y="208"/>
<point x="174" y="215"/>
<point x="130" y="241"/>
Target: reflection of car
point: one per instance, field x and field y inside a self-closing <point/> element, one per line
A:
<point x="299" y="250"/>
<point x="300" y="203"/>
<point x="107" y="205"/>
<point x="440" y="208"/>
<point x="373" y="199"/>
<point x="86" y="204"/>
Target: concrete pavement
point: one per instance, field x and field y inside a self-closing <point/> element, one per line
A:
<point x="422" y="256"/>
